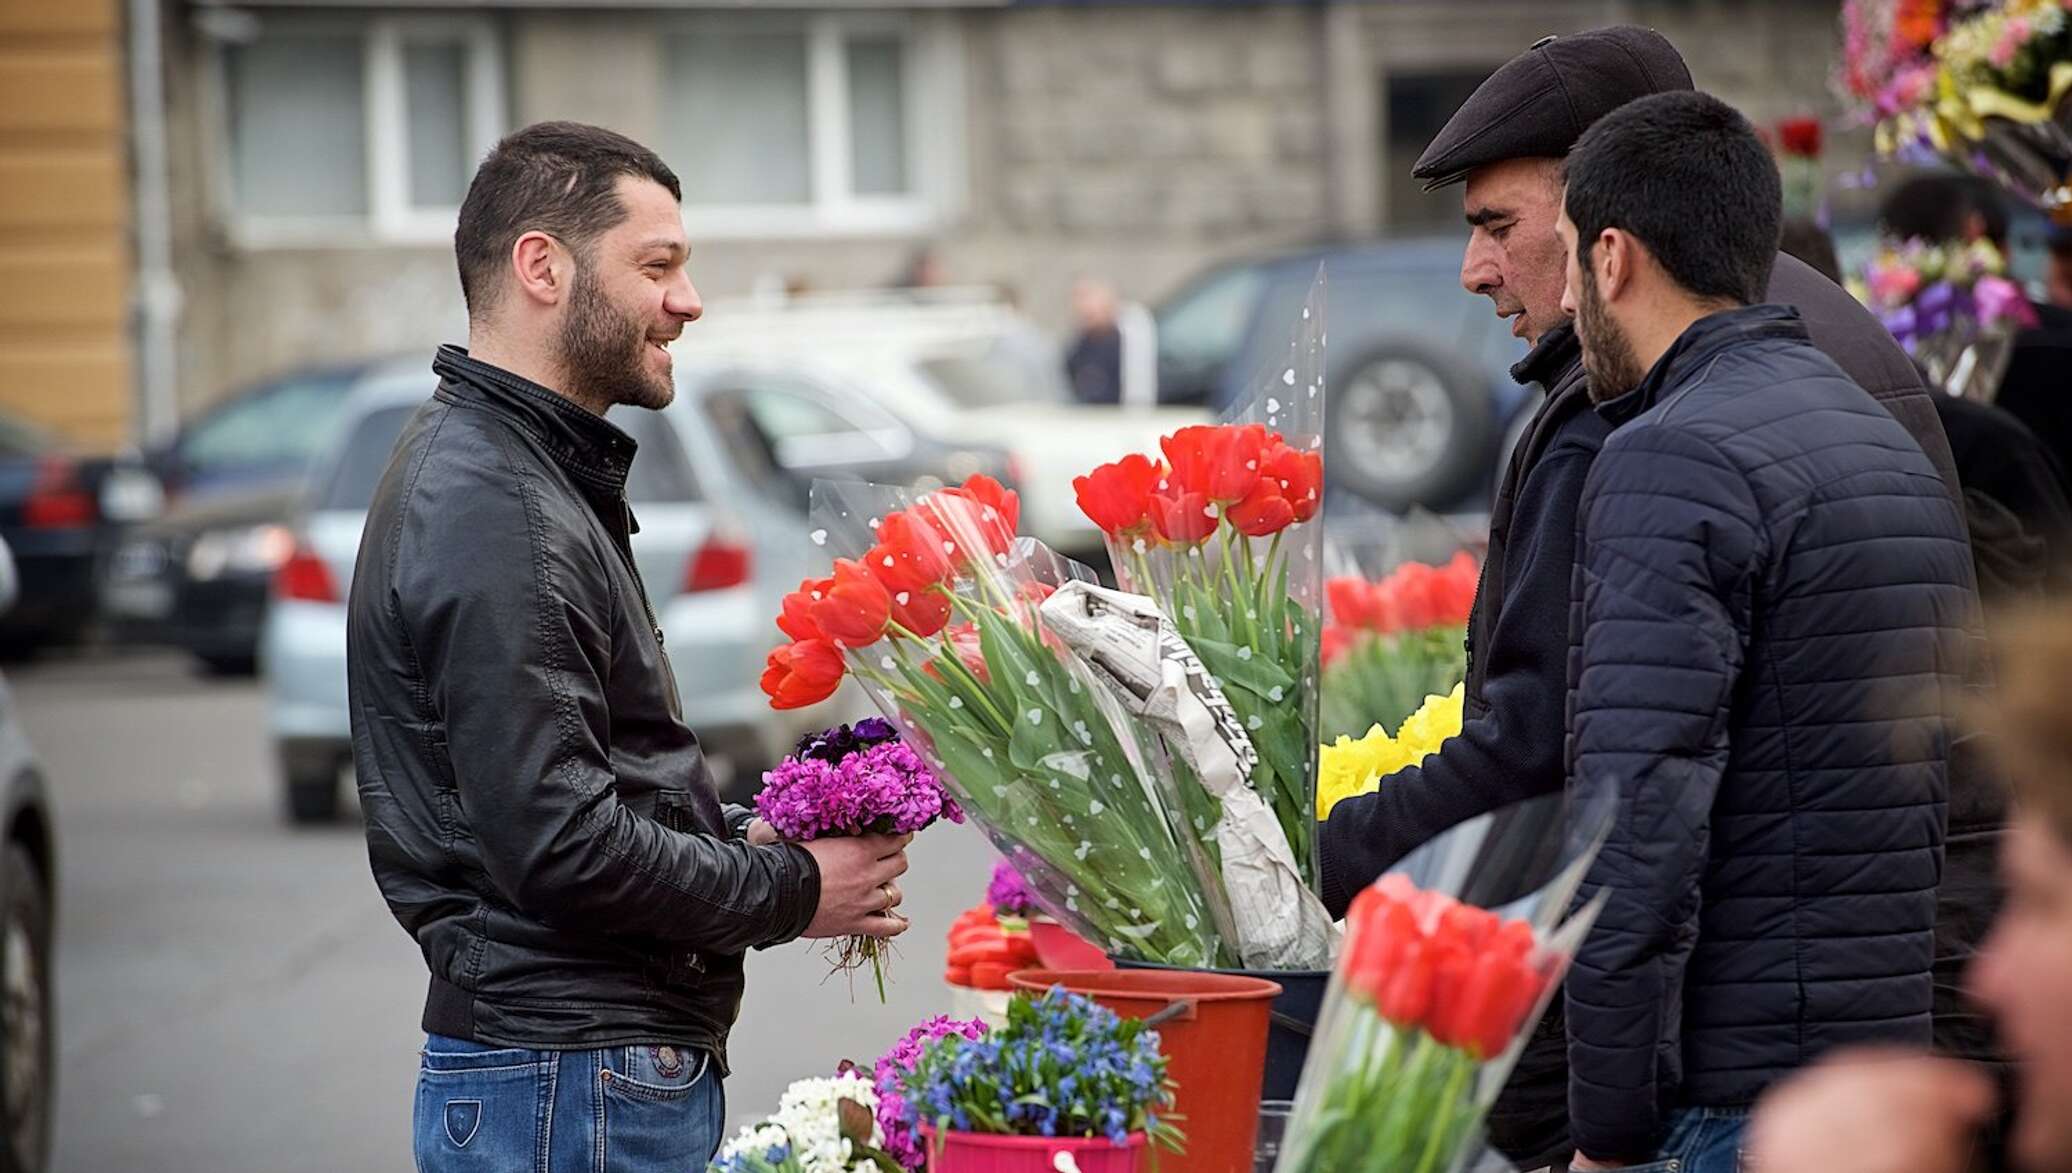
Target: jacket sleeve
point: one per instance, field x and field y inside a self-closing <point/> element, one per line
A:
<point x="509" y="622"/>
<point x="1511" y="750"/>
<point x="1670" y="537"/>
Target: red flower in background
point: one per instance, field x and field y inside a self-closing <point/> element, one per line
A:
<point x="796" y="618"/>
<point x="1918" y="22"/>
<point x="1427" y="962"/>
<point x="1800" y="136"/>
<point x="856" y="608"/>
<point x="1117" y="497"/>
<point x="964" y="640"/>
<point x="1185" y="520"/>
<point x="1353" y="602"/>
<point x="802" y="673"/>
<point x="1220" y="463"/>
<point x="1335" y="641"/>
<point x="1413" y="597"/>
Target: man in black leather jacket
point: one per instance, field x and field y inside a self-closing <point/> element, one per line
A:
<point x="538" y="815"/>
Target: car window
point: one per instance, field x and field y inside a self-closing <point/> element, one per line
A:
<point x="286" y="424"/>
<point x="803" y="428"/>
<point x="995" y="379"/>
<point x="364" y="458"/>
<point x="661" y="472"/>
<point x="20" y="438"/>
<point x="1206" y="325"/>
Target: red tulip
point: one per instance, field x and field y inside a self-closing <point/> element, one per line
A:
<point x="963" y="640"/>
<point x="1800" y="136"/>
<point x="1353" y="603"/>
<point x="1300" y="476"/>
<point x="802" y="673"/>
<point x="1461" y="578"/>
<point x="1403" y="993"/>
<point x="980" y="508"/>
<point x="796" y="619"/>
<point x="1263" y="512"/>
<point x="856" y="608"/>
<point x="1220" y="463"/>
<point x="1495" y="998"/>
<point x="922" y="612"/>
<point x="1117" y="497"/>
<point x="1186" y="520"/>
<point x="1335" y="642"/>
<point x="911" y="554"/>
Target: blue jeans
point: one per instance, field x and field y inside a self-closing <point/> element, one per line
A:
<point x="1700" y="1140"/>
<point x="617" y="1110"/>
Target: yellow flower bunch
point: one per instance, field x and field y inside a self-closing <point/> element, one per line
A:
<point x="1347" y="767"/>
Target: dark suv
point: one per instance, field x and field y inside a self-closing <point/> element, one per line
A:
<point x="1421" y="398"/>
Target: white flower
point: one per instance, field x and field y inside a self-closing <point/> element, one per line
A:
<point x="807" y="1119"/>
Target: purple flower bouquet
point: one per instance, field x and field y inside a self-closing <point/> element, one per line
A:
<point x="903" y="1136"/>
<point x="854" y="780"/>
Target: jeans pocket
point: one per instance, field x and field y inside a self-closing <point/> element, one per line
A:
<point x="660" y="1108"/>
<point x="476" y="1118"/>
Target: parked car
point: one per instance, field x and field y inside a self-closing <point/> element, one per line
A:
<point x="28" y="881"/>
<point x="261" y="437"/>
<point x="1417" y="369"/>
<point x="62" y="512"/>
<point x="958" y="370"/>
<point x="722" y="537"/>
<point x="197" y="577"/>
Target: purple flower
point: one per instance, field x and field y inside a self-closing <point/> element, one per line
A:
<point x="884" y="788"/>
<point x="903" y="1136"/>
<point x="1008" y="893"/>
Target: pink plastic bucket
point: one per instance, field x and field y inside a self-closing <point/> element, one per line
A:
<point x="978" y="1152"/>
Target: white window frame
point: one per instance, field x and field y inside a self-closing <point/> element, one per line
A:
<point x="933" y="92"/>
<point x="390" y="218"/>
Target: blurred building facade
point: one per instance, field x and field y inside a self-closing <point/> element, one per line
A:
<point x="317" y="152"/>
<point x="64" y="218"/>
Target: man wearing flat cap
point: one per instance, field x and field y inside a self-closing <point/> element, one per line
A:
<point x="1506" y="145"/>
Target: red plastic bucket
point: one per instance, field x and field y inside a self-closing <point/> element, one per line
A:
<point x="1060" y="948"/>
<point x="978" y="1152"/>
<point x="1212" y="1027"/>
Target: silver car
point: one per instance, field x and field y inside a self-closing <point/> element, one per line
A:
<point x="719" y="485"/>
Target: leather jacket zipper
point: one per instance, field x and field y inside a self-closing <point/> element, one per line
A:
<point x="625" y="547"/>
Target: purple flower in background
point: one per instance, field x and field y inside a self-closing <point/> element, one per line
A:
<point x="902" y="1136"/>
<point x="883" y="788"/>
<point x="1008" y="893"/>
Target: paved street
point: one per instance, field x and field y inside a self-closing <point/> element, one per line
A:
<point x="233" y="995"/>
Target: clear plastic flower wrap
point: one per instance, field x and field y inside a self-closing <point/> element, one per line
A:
<point x="933" y="605"/>
<point x="1449" y="961"/>
<point x="1223" y="530"/>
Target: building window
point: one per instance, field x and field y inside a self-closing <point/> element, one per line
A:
<point x="834" y="123"/>
<point x="1419" y="105"/>
<point x="339" y="131"/>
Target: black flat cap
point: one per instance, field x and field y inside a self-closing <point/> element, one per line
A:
<point x="1542" y="100"/>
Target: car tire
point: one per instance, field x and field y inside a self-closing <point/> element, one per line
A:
<point x="27" y="1073"/>
<point x="311" y="787"/>
<point x="230" y="666"/>
<point x="1408" y="426"/>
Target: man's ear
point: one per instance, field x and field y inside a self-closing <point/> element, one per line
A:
<point x="1615" y="255"/>
<point x="540" y="268"/>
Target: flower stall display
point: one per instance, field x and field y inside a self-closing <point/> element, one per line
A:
<point x="821" y="1126"/>
<point x="1222" y="531"/>
<point x="1391" y="641"/>
<point x="1448" y="962"/>
<point x="854" y="780"/>
<point x="1064" y="1069"/>
<point x="902" y="1135"/>
<point x="984" y="949"/>
<point x="1952" y="307"/>
<point x="1990" y="97"/>
<point x="1349" y="766"/>
<point x="933" y="605"/>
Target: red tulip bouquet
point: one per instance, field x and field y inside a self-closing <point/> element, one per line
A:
<point x="1224" y="534"/>
<point x="933" y="606"/>
<point x="1391" y="642"/>
<point x="1448" y="962"/>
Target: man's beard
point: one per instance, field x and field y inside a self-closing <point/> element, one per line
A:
<point x="605" y="353"/>
<point x="1608" y="359"/>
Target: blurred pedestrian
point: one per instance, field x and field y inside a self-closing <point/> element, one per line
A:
<point x="1774" y="616"/>
<point x="1898" y="1112"/>
<point x="1505" y="145"/>
<point x="924" y="270"/>
<point x="1093" y="364"/>
<point x="538" y="816"/>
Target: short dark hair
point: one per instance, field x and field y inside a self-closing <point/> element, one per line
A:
<point x="560" y="178"/>
<point x="1685" y="174"/>
<point x="1941" y="207"/>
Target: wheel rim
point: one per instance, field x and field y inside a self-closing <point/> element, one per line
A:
<point x="21" y="1012"/>
<point x="1396" y="420"/>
